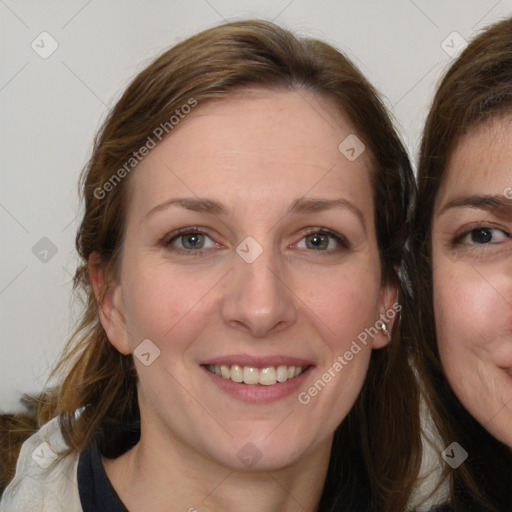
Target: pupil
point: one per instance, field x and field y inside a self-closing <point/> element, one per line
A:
<point x="193" y="240"/>
<point x="481" y="236"/>
<point x="318" y="241"/>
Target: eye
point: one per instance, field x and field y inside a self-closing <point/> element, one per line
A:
<point x="483" y="235"/>
<point x="189" y="240"/>
<point x="323" y="240"/>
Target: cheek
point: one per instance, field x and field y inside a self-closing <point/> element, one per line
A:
<point x="473" y="321"/>
<point x="343" y="308"/>
<point x="162" y="305"/>
<point x="474" y="330"/>
<point x="350" y="308"/>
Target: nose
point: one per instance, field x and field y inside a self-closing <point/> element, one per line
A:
<point x="257" y="299"/>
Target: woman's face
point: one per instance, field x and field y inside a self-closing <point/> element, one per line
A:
<point x="472" y="271"/>
<point x="250" y="244"/>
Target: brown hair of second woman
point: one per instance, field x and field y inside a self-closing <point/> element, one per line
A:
<point x="477" y="87"/>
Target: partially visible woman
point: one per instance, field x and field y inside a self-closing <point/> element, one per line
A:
<point x="246" y="209"/>
<point x="463" y="273"/>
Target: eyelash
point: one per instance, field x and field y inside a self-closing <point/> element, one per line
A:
<point x="343" y="243"/>
<point x="458" y="239"/>
<point x="168" y="240"/>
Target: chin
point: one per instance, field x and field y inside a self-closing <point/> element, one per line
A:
<point x="259" y="454"/>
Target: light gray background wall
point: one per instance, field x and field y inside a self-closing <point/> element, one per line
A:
<point x="52" y="106"/>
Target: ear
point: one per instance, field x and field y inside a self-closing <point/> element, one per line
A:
<point x="389" y="309"/>
<point x="110" y="302"/>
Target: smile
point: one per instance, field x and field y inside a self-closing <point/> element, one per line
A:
<point x="267" y="376"/>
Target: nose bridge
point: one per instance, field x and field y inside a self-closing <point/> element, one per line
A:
<point x="257" y="298"/>
<point x="262" y="285"/>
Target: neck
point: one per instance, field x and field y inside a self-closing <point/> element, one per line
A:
<point x="160" y="471"/>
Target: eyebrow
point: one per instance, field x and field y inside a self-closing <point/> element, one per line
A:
<point x="195" y="204"/>
<point x="305" y="205"/>
<point x="496" y="204"/>
<point x="302" y="205"/>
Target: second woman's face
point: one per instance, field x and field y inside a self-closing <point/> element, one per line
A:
<point x="472" y="271"/>
<point x="250" y="267"/>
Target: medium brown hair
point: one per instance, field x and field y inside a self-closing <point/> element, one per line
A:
<point x="376" y="449"/>
<point x="476" y="88"/>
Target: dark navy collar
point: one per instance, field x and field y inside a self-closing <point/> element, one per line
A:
<point x="96" y="492"/>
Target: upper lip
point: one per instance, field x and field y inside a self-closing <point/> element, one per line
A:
<point x="257" y="361"/>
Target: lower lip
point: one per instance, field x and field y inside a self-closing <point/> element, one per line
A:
<point x="258" y="393"/>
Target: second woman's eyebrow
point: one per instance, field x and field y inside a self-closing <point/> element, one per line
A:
<point x="497" y="204"/>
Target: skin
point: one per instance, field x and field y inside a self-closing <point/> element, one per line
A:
<point x="256" y="154"/>
<point x="473" y="275"/>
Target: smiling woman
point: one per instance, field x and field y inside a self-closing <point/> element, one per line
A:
<point x="463" y="273"/>
<point x="230" y="272"/>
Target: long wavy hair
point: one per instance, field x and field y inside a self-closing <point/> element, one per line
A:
<point x="476" y="88"/>
<point x="377" y="449"/>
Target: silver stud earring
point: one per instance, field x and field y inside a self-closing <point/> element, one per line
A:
<point x="385" y="330"/>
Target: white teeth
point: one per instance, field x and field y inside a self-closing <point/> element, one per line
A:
<point x="282" y="373"/>
<point x="224" y="370"/>
<point x="236" y="373"/>
<point x="268" y="376"/>
<point x="251" y="375"/>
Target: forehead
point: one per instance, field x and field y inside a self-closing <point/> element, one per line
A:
<point x="265" y="141"/>
<point x="482" y="160"/>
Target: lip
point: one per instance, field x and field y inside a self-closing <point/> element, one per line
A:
<point x="258" y="393"/>
<point x="508" y="371"/>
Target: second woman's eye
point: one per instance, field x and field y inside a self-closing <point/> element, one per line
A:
<point x="322" y="240"/>
<point x="483" y="235"/>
